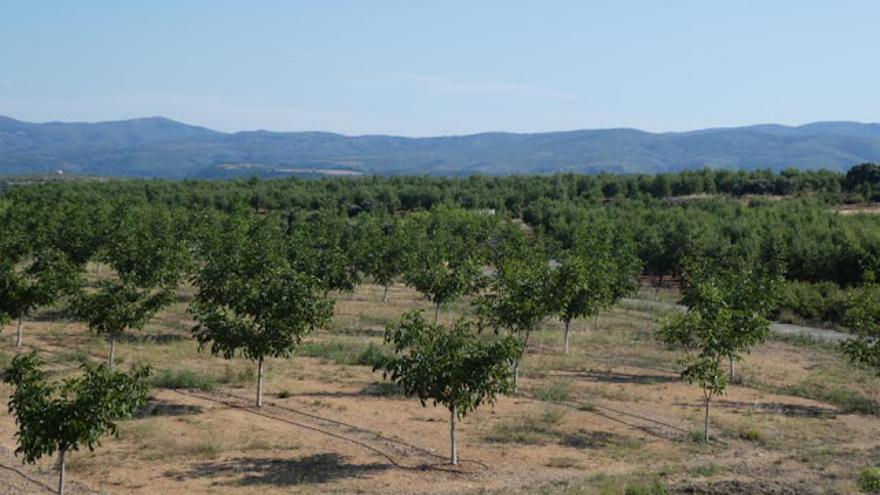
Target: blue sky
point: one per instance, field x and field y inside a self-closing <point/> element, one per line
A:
<point x="421" y="68"/>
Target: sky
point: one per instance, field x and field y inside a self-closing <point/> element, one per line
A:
<point x="421" y="68"/>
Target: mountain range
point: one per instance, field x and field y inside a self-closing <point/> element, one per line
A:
<point x="163" y="148"/>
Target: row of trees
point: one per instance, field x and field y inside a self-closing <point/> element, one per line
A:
<point x="510" y="195"/>
<point x="263" y="281"/>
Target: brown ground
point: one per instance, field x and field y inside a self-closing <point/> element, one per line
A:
<point x="611" y="414"/>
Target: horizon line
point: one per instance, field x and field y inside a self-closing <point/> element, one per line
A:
<point x="439" y="136"/>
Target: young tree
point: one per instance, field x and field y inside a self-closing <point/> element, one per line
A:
<point x="116" y="306"/>
<point x="704" y="331"/>
<point x="449" y="366"/>
<point x="715" y="327"/>
<point x="75" y="413"/>
<point x="445" y="254"/>
<point x="32" y="278"/>
<point x="250" y="299"/>
<point x="381" y="248"/>
<point x="576" y="290"/>
<point x="146" y="250"/>
<point x="519" y="298"/>
<point x="748" y="288"/>
<point x="323" y="245"/>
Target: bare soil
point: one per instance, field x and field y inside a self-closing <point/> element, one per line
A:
<point x="612" y="413"/>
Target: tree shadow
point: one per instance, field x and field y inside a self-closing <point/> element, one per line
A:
<point x="314" y="469"/>
<point x="585" y="439"/>
<point x="158" y="407"/>
<point x="612" y="377"/>
<point x="156" y="338"/>
<point x="374" y="389"/>
<point x="790" y="410"/>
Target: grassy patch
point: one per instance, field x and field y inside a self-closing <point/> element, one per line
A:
<point x="626" y="485"/>
<point x="346" y="353"/>
<point x="536" y="429"/>
<point x="846" y="399"/>
<point x="556" y="391"/>
<point x="705" y="470"/>
<point x="183" y="378"/>
<point x="5" y="361"/>
<point x="645" y="488"/>
<point x="237" y="377"/>
<point x="869" y="479"/>
<point x="76" y="357"/>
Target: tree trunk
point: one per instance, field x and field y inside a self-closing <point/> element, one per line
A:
<point x="706" y="422"/>
<point x="260" y="383"/>
<point x="385" y="295"/>
<point x="567" y="328"/>
<point x="61" y="468"/>
<point x="436" y="312"/>
<point x="20" y="331"/>
<point x="596" y="321"/>
<point x="111" y="361"/>
<point x="453" y="453"/>
<point x="659" y="284"/>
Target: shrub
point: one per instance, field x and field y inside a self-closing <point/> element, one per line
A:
<point x="646" y="488"/>
<point x="77" y="357"/>
<point x="183" y="378"/>
<point x="849" y="401"/>
<point x="373" y="356"/>
<point x="752" y="435"/>
<point x="869" y="479"/>
<point x="556" y="391"/>
<point x="237" y="378"/>
<point x="812" y="302"/>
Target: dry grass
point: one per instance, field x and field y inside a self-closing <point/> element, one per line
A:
<point x="609" y="418"/>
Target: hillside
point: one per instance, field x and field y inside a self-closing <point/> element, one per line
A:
<point x="159" y="147"/>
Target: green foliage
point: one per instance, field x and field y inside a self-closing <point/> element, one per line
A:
<point x="729" y="306"/>
<point x="557" y="391"/>
<point x="323" y="245"/>
<point x="869" y="479"/>
<point x="183" y="379"/>
<point x="813" y="302"/>
<point x="144" y="247"/>
<point x="380" y="247"/>
<point x="863" y="317"/>
<point x="446" y="252"/>
<point x="449" y="366"/>
<point x="726" y="316"/>
<point x="345" y="352"/>
<point x="250" y="300"/>
<point x="33" y="275"/>
<point x="75" y="413"/>
<point x="519" y="295"/>
<point x="646" y="488"/>
<point x="118" y="305"/>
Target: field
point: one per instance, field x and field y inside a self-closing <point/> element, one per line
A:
<point x="612" y="417"/>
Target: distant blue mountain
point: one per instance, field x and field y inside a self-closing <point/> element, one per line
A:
<point x="159" y="147"/>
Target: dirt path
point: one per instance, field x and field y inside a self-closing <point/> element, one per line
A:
<point x="784" y="329"/>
